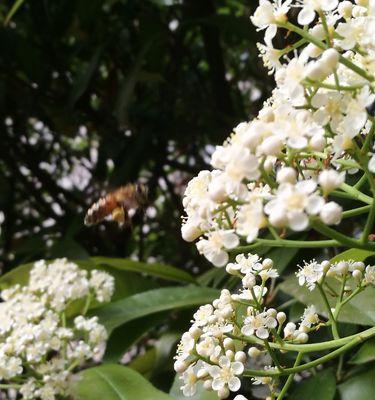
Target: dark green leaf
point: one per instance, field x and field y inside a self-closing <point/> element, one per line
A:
<point x="366" y="353"/>
<point x="359" y="387"/>
<point x="352" y="254"/>
<point x="113" y="382"/>
<point x="160" y="270"/>
<point x="125" y="336"/>
<point x="322" y="386"/>
<point x="153" y="301"/>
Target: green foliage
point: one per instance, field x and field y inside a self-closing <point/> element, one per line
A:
<point x="359" y="387"/>
<point x="113" y="382"/>
<point x="321" y="386"/>
<point x="154" y="301"/>
<point x="365" y="354"/>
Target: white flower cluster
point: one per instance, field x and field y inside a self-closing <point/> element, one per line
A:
<point x="280" y="170"/>
<point x="208" y="352"/>
<point x="313" y="273"/>
<point x="38" y="349"/>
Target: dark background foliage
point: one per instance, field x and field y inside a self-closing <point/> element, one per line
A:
<point x="95" y="94"/>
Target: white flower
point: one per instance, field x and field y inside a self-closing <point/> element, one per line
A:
<point x="331" y="213"/>
<point x="309" y="274"/>
<point x="202" y="315"/>
<point x="213" y="248"/>
<point x="309" y="7"/>
<point x="369" y="277"/>
<point x="329" y="180"/>
<point x="310" y="317"/>
<point x="258" y="324"/>
<point x="250" y="219"/>
<point x="224" y="375"/>
<point x="103" y="285"/>
<point x="293" y="204"/>
<point x="190" y="379"/>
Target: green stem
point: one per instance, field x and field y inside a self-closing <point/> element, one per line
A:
<point x="272" y="354"/>
<point x="358" y="339"/>
<point x="332" y="319"/>
<point x="290" y="378"/>
<point x="323" y="46"/>
<point x="306" y="348"/>
<point x="356" y="211"/>
<point x="356" y="194"/>
<point x="285" y="243"/>
<point x="360" y="182"/>
<point x="342" y="239"/>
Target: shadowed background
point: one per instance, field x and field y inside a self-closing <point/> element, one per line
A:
<point x="95" y="94"/>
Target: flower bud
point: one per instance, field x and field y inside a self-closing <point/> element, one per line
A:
<point x="223" y="393"/>
<point x="325" y="265"/>
<point x="207" y="384"/>
<point x="316" y="71"/>
<point x="240" y="356"/>
<point x="343" y="267"/>
<point x="302" y="337"/>
<point x="362" y="3"/>
<point x="253" y="352"/>
<point x="357" y="275"/>
<point x="190" y="232"/>
<point x="331" y="213"/>
<point x="289" y="329"/>
<point x="330" y="58"/>
<point x="330" y="179"/>
<point x="281" y="317"/>
<point x="195" y="332"/>
<point x="180" y="366"/>
<point x="271" y="146"/>
<point x="345" y="9"/>
<point x="318" y="32"/>
<point x="267" y="263"/>
<point x="359" y="265"/>
<point x="249" y="281"/>
<point x="230" y="354"/>
<point x="228" y="344"/>
<point x="286" y="175"/>
<point x="317" y="142"/>
<point x="216" y="191"/>
<point x="271" y="312"/>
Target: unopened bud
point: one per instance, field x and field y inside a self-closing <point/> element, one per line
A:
<point x="281" y="317"/>
<point x="228" y="344"/>
<point x="267" y="263"/>
<point x="345" y="9"/>
<point x="240" y="356"/>
<point x="357" y="275"/>
<point x="180" y="366"/>
<point x="330" y="58"/>
<point x="195" y="332"/>
<point x="254" y="352"/>
<point x="286" y="175"/>
<point x="303" y="337"/>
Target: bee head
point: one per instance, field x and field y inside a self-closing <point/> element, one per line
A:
<point x="141" y="193"/>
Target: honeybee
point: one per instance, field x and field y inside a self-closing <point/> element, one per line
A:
<point x="117" y="204"/>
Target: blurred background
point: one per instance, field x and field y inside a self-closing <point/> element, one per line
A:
<point x="95" y="94"/>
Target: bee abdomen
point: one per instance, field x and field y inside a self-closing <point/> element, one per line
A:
<point x="99" y="210"/>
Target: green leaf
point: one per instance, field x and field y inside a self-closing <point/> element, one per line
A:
<point x="321" y="386"/>
<point x="366" y="353"/>
<point x="360" y="310"/>
<point x="201" y="394"/>
<point x="16" y="5"/>
<point x="113" y="382"/>
<point x="282" y="256"/>
<point x="153" y="301"/>
<point x="155" y="269"/>
<point x="125" y="336"/>
<point x="359" y="387"/>
<point x="353" y="254"/>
